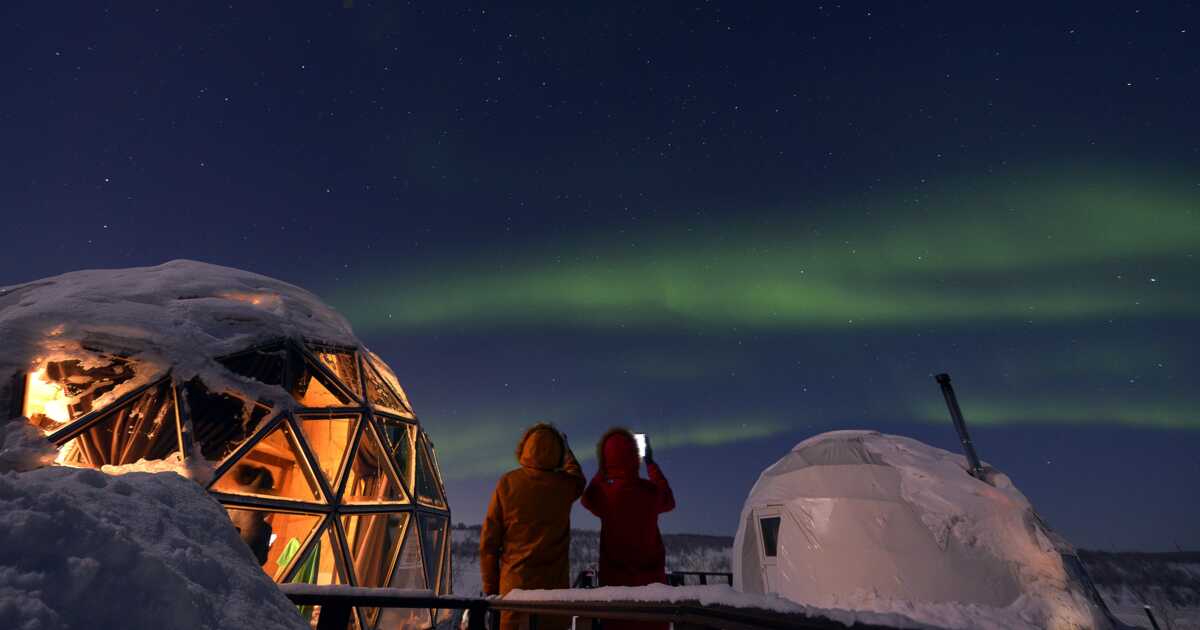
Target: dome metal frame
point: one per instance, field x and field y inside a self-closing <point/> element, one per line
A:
<point x="367" y="395"/>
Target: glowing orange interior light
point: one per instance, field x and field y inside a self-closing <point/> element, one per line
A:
<point x="257" y="299"/>
<point x="46" y="404"/>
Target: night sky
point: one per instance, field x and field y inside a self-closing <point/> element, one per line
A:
<point x="729" y="225"/>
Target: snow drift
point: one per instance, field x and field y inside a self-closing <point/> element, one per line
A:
<point x="865" y="521"/>
<point x="82" y="549"/>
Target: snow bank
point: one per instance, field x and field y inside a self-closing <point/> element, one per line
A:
<point x="23" y="447"/>
<point x="885" y="523"/>
<point x="181" y="315"/>
<point x="82" y="549"/>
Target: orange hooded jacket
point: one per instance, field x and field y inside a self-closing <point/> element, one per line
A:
<point x="526" y="535"/>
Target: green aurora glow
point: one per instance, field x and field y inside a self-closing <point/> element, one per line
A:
<point x="1083" y="248"/>
<point x="1170" y="415"/>
<point x="1088" y="247"/>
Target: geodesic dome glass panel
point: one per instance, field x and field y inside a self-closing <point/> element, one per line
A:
<point x="342" y="488"/>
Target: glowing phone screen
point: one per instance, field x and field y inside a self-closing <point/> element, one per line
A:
<point x="640" y="438"/>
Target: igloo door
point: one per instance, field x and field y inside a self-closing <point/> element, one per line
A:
<point x="768" y="520"/>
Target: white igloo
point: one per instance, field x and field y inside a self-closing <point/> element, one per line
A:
<point x="865" y="521"/>
<point x="252" y="387"/>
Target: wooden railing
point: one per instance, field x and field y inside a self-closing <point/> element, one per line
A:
<point x="337" y="604"/>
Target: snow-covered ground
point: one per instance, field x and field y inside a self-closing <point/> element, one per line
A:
<point x="1168" y="582"/>
<point x="714" y="595"/>
<point x="83" y="549"/>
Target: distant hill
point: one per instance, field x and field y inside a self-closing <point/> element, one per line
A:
<point x="1168" y="582"/>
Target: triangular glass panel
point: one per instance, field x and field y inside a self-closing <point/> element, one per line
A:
<point x="428" y="490"/>
<point x="312" y="388"/>
<point x="145" y="427"/>
<point x="401" y="438"/>
<point x="369" y="478"/>
<point x="321" y="564"/>
<point x="343" y="364"/>
<point x="274" y="538"/>
<point x="221" y="421"/>
<point x="446" y="587"/>
<point x="328" y="439"/>
<point x="267" y="364"/>
<point x="274" y="468"/>
<point x="388" y="376"/>
<point x="382" y="396"/>
<point x="408" y="573"/>
<point x="373" y="539"/>
<point x="433" y="539"/>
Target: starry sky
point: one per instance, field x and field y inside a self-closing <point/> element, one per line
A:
<point x="729" y="225"/>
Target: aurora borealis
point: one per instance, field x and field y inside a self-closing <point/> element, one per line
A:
<point x="1013" y="253"/>
<point x="729" y="226"/>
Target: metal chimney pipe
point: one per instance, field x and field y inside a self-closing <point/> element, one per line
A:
<point x="975" y="468"/>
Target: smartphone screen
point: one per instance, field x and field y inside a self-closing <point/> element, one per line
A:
<point x="640" y="438"/>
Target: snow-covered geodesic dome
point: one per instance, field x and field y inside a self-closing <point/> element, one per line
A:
<point x="866" y="521"/>
<point x="252" y="387"/>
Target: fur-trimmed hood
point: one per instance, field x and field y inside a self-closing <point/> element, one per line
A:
<point x="541" y="447"/>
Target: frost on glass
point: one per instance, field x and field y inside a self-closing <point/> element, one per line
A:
<point x="383" y="394"/>
<point x="142" y="428"/>
<point x="274" y="468"/>
<point x="388" y="376"/>
<point x="370" y="478"/>
<point x="274" y="538"/>
<point x="64" y="390"/>
<point x="222" y="421"/>
<point x="343" y="364"/>
<point x="373" y="539"/>
<point x="328" y="439"/>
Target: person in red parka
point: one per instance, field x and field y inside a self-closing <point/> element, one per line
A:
<point x="631" y="547"/>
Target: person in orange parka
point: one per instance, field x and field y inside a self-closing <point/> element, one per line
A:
<point x="526" y="535"/>
<point x="631" y="547"/>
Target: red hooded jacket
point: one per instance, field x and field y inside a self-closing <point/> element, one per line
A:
<point x="631" y="547"/>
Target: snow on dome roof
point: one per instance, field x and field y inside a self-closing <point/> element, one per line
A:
<point x="868" y="521"/>
<point x="181" y="314"/>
